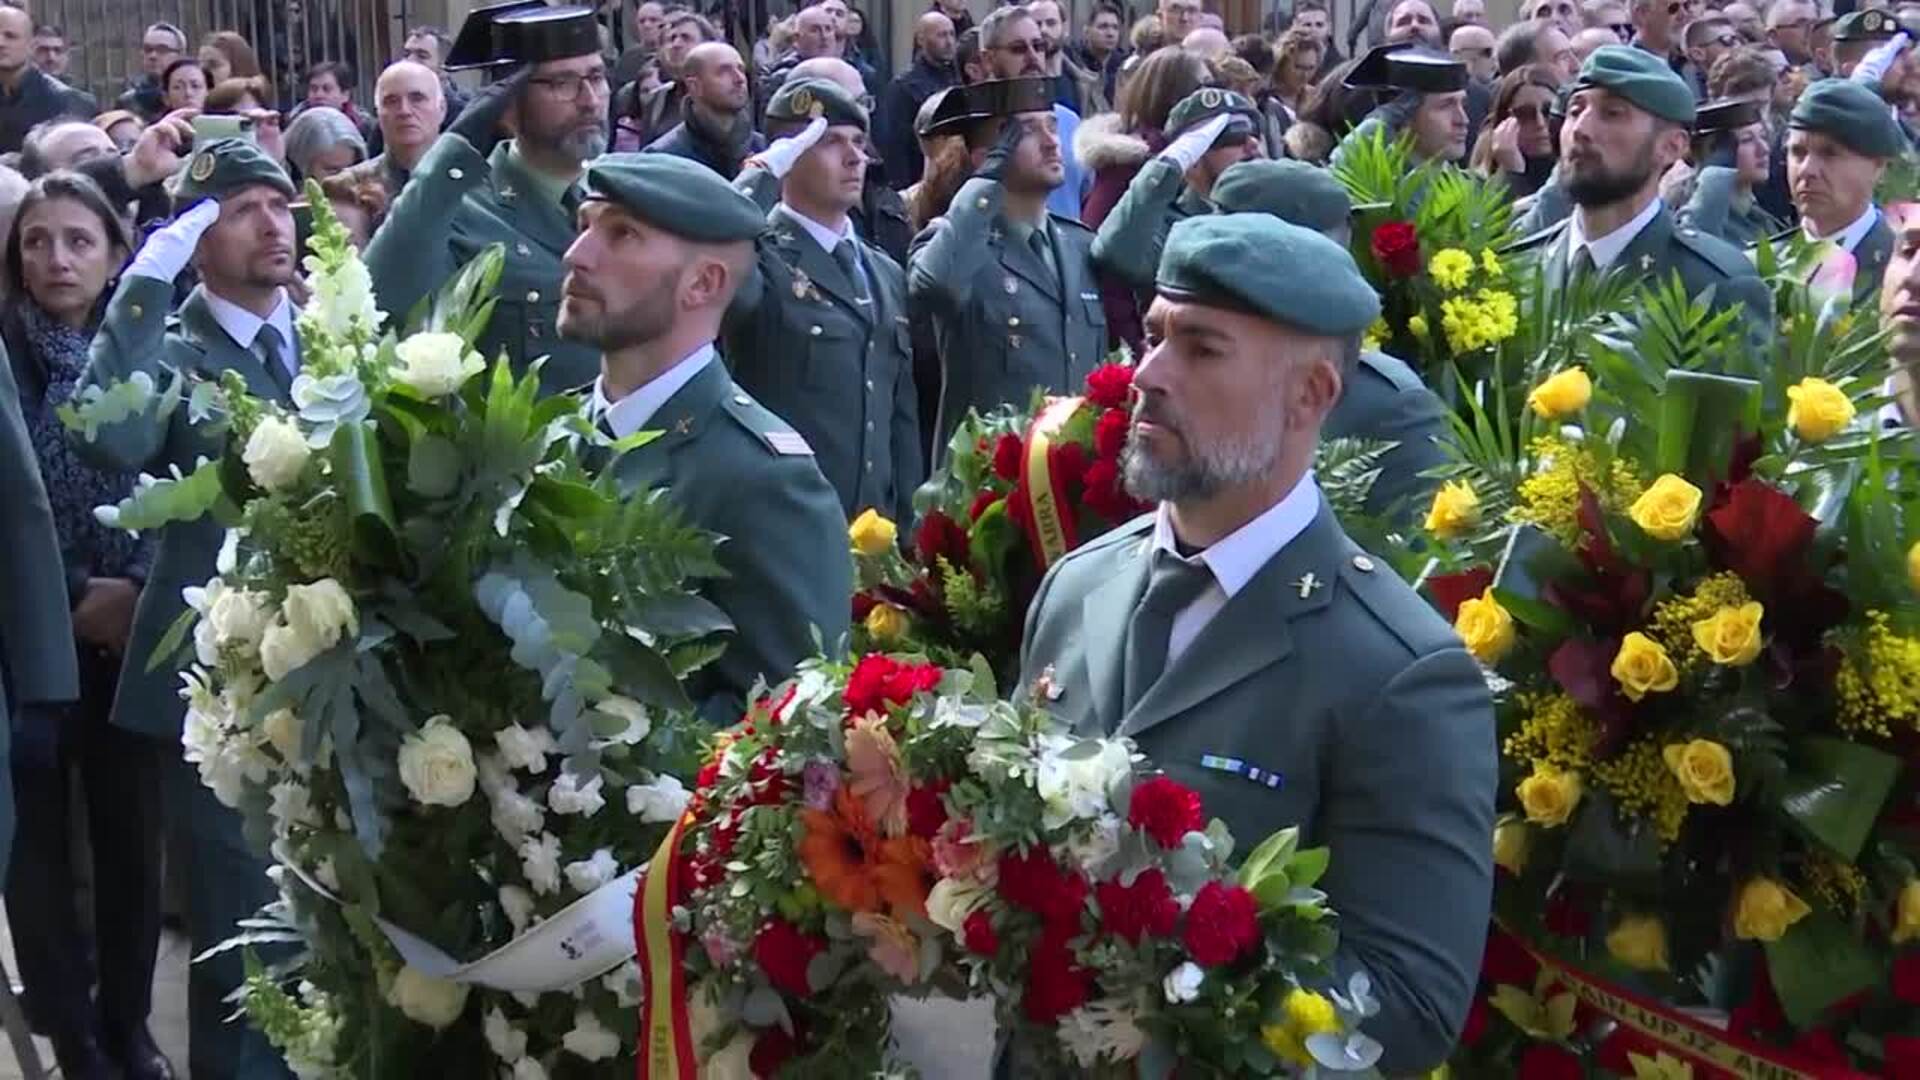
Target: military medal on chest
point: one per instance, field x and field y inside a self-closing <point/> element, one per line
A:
<point x="803" y="288"/>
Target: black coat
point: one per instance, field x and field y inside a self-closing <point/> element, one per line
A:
<point x="688" y="142"/>
<point x="898" y="107"/>
<point x="40" y="98"/>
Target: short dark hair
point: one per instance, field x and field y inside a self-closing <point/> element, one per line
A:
<point x="1743" y="70"/>
<point x="966" y="50"/>
<point x="1697" y="29"/>
<point x="707" y="31"/>
<point x="341" y="71"/>
<point x="1311" y="5"/>
<point x="1105" y="7"/>
<point x="1256" y="52"/>
<point x="60" y="184"/>
<point x="49" y="30"/>
<point x="438" y="34"/>
<point x="33" y="163"/>
<point x="1517" y="46"/>
<point x="166" y="76"/>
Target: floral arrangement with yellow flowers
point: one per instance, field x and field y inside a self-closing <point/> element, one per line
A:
<point x="1696" y="596"/>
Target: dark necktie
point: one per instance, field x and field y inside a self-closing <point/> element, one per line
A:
<point x="270" y="347"/>
<point x="849" y="261"/>
<point x="1037" y="240"/>
<point x="1172" y="585"/>
<point x="1581" y="267"/>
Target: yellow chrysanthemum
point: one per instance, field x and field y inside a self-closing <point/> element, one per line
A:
<point x="1490" y="263"/>
<point x="1450" y="268"/>
<point x="1305" y="1013"/>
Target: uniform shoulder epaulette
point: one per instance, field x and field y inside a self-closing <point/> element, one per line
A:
<point x="1531" y="241"/>
<point x="1393" y="369"/>
<point x="1717" y="253"/>
<point x="1393" y="604"/>
<point x="767" y="429"/>
<point x="1075" y="223"/>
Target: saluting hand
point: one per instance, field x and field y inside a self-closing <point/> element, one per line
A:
<point x="779" y="158"/>
<point x="168" y="250"/>
<point x="1193" y="144"/>
<point x="480" y="123"/>
<point x="1012" y="134"/>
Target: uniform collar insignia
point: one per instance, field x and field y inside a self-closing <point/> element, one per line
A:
<point x="1308" y="583"/>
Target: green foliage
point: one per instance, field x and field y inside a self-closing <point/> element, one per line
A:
<point x="158" y="502"/>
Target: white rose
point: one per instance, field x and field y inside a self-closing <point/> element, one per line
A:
<point x="1076" y="788"/>
<point x="622" y="711"/>
<point x="518" y="904"/>
<point x="662" y="801"/>
<point x="528" y="1068"/>
<point x="424" y="999"/>
<point x="507" y="1042"/>
<point x="515" y="815"/>
<point x="571" y="795"/>
<point x="1182" y="984"/>
<point x="322" y="611"/>
<point x="590" y="1038"/>
<point x="276" y="454"/>
<point x="292" y="805"/>
<point x="284" y="649"/>
<point x="951" y="900"/>
<point x="524" y="749"/>
<point x="589" y="874"/>
<point x="239" y="618"/>
<point x="540" y="861"/>
<point x="436" y="764"/>
<point x="623" y="983"/>
<point x="436" y="364"/>
<point x="283" y="730"/>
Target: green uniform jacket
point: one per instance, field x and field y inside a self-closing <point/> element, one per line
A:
<point x="1129" y="242"/>
<point x="1870" y="257"/>
<point x="838" y="370"/>
<point x="1371" y="727"/>
<point x="1714" y="208"/>
<point x="1383" y="399"/>
<point x="1004" y="324"/>
<point x="456" y="204"/>
<point x="36" y="634"/>
<point x="723" y="460"/>
<point x="140" y="336"/>
<point x="1661" y="249"/>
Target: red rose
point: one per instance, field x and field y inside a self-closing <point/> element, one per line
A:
<point x="772" y="1048"/>
<point x="1165" y="810"/>
<point x="1035" y="882"/>
<point x="940" y="535"/>
<point x="1068" y="463"/>
<point x="1008" y="456"/>
<point x="1056" y="984"/>
<point x="1109" y="385"/>
<point x="981" y="504"/>
<point x="1104" y="495"/>
<point x="1397" y="246"/>
<point x="879" y="680"/>
<point x="1110" y="433"/>
<point x="783" y="951"/>
<point x="1020" y="506"/>
<point x="978" y="934"/>
<point x="1222" y="923"/>
<point x="1544" y="1061"/>
<point x="926" y="810"/>
<point x="1145" y="907"/>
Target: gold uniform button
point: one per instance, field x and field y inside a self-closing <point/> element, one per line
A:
<point x="533" y="296"/>
<point x="1363" y="564"/>
<point x="456" y="174"/>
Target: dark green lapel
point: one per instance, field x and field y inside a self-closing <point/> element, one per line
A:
<point x="1251" y="632"/>
<point x="1646" y="256"/>
<point x="1017" y="258"/>
<point x="806" y="255"/>
<point x="1070" y="258"/>
<point x="1105" y="613"/>
<point x="524" y="197"/>
<point x="201" y="331"/>
<point x="682" y="419"/>
<point x="1870" y="258"/>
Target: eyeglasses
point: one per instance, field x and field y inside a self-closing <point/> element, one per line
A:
<point x="1029" y="47"/>
<point x="1678" y="6"/>
<point x="1466" y="51"/>
<point x="568" y="87"/>
<point x="1727" y="41"/>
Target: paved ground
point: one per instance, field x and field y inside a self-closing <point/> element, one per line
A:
<point x="169" y="1023"/>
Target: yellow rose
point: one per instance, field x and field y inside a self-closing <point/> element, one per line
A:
<point x="886" y="623"/>
<point x="1640" y="942"/>
<point x="1642" y="667"/>
<point x="1455" y="509"/>
<point x="1913" y="565"/>
<point x="1765" y="909"/>
<point x="871" y="534"/>
<point x="1819" y="410"/>
<point x="1563" y="395"/>
<point x="1486" y="627"/>
<point x="1732" y="635"/>
<point x="1906" y="913"/>
<point x="1704" y="769"/>
<point x="1668" y="509"/>
<point x="1549" y="795"/>
<point x="1511" y="843"/>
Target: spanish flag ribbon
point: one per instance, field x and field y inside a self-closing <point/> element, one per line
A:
<point x="666" y="1036"/>
<point x="1052" y="529"/>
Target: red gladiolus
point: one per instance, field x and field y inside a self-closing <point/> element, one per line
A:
<point x="879" y="680"/>
<point x="783" y="951"/>
<point x="1544" y="1061"/>
<point x="1109" y="385"/>
<point x="1397" y="246"/>
<point x="1165" y="810"/>
<point x="1110" y="433"/>
<point x="1008" y="455"/>
<point x="1056" y="983"/>
<point x="979" y="936"/>
<point x="1223" y="922"/>
<point x="1135" y="911"/>
<point x="1035" y="882"/>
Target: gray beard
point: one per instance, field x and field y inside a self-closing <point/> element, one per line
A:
<point x="1207" y="471"/>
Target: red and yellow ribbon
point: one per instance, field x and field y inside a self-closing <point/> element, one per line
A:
<point x="1051" y="531"/>
<point x="666" y="1035"/>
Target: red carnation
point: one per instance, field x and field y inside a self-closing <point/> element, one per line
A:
<point x="940" y="535"/>
<point x="1110" y="433"/>
<point x="1056" y="984"/>
<point x="1104" y="495"/>
<point x="1035" y="882"/>
<point x="979" y="936"/>
<point x="1109" y="385"/>
<point x="1135" y="911"/>
<point x="1008" y="455"/>
<point x="926" y="809"/>
<point x="1544" y="1061"/>
<point x="1164" y="809"/>
<point x="772" y="1048"/>
<point x="879" y="680"/>
<point x="783" y="951"/>
<point x="981" y="504"/>
<point x="1068" y="463"/>
<point x="1397" y="246"/>
<point x="1222" y="923"/>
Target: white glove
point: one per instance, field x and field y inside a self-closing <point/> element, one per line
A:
<point x="1187" y="150"/>
<point x="168" y="251"/>
<point x="779" y="158"/>
<point x="1874" y="66"/>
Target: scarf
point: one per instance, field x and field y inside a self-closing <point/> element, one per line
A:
<point x="728" y="144"/>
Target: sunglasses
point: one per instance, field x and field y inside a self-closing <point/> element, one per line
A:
<point x="1623" y="30"/>
<point x="1678" y="6"/>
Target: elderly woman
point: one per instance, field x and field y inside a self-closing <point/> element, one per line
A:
<point x="322" y="141"/>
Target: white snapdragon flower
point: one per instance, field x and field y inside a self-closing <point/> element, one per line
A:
<point x="1182" y="984"/>
<point x="590" y="1039"/>
<point x="540" y="861"/>
<point x="518" y="904"/>
<point x="420" y="997"/>
<point x="507" y="1041"/>
<point x="589" y="874"/>
<point x="436" y="364"/>
<point x="521" y="748"/>
<point x="276" y="454"/>
<point x="572" y="795"/>
<point x="662" y="801"/>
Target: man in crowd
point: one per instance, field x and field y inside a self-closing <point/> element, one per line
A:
<point x="816" y="34"/>
<point x="1011" y="47"/>
<point x="1746" y="22"/>
<point x="29" y="96"/>
<point x="1656" y="29"/>
<point x="1312" y="17"/>
<point x="1184" y="628"/>
<point x="1414" y="21"/>
<point x="956" y="11"/>
<point x="1840" y="139"/>
<point x="649" y="29"/>
<point x="1207" y="43"/>
<point x="881" y="217"/>
<point x="1611" y="16"/>
<point x="1900" y="311"/>
<point x="1077" y="88"/>
<point x="933" y="70"/>
<point x="1560" y="13"/>
<point x="235" y="227"/>
<point x="160" y="45"/>
<point x="62" y="144"/>
<point x="1473" y="46"/>
<point x="411" y="110"/>
<point x="1426" y="98"/>
<point x="718" y="129"/>
<point x="1007" y="284"/>
<point x="51" y="50"/>
<point x="664" y="244"/>
<point x="1856" y="34"/>
<point x="1470" y="13"/>
<point x="1593" y="37"/>
<point x="642" y="118"/>
<point x="1536" y="43"/>
<point x="1178" y="18"/>
<point x="330" y="85"/>
<point x="427" y="46"/>
<point x="820" y="334"/>
<point x="477" y="186"/>
<point x="1790" y="29"/>
<point x="1708" y="38"/>
<point x="1100" y="48"/>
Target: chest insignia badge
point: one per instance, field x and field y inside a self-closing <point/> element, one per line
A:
<point x="1308" y="583"/>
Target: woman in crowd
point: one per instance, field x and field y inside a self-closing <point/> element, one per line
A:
<point x="253" y="99"/>
<point x="865" y="49"/>
<point x="322" y="141"/>
<point x="359" y="204"/>
<point x="1519" y="142"/>
<point x="123" y="126"/>
<point x="184" y="84"/>
<point x="1297" y="57"/>
<point x="227" y="55"/>
<point x="63" y="252"/>
<point x="1327" y="116"/>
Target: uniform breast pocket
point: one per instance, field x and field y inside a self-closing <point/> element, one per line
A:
<point x="832" y="346"/>
<point x="1091" y="312"/>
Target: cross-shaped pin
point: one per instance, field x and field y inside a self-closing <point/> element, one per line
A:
<point x="1646" y="263"/>
<point x="683" y="426"/>
<point x="1307" y="583"/>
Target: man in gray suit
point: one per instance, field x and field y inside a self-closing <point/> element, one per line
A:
<point x="1255" y="653"/>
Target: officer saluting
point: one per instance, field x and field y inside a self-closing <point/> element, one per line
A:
<point x="472" y="190"/>
<point x="664" y="244"/>
<point x="1008" y="285"/>
<point x="1260" y="657"/>
<point x="820" y="334"/>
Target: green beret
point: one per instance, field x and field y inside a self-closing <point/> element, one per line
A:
<point x="224" y="166"/>
<point x="1640" y="77"/>
<point x="1293" y="191"/>
<point x="802" y="100"/>
<point x="1869" y="25"/>
<point x="676" y="194"/>
<point x="1206" y="103"/>
<point x="1263" y="266"/>
<point x="1850" y="112"/>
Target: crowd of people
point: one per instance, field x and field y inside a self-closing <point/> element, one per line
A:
<point x="986" y="220"/>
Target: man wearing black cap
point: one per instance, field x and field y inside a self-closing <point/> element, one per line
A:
<point x="1430" y="102"/>
<point x="820" y="334"/>
<point x="1009" y="285"/>
<point x="478" y="187"/>
<point x="237" y="230"/>
<point x="1730" y="154"/>
<point x="664" y="245"/>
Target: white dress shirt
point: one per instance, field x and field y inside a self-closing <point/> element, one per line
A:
<point x="828" y="239"/>
<point x="1237" y="557"/>
<point x="631" y="413"/>
<point x="1605" y="249"/>
<point x="243" y="326"/>
<point x="1849" y="238"/>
